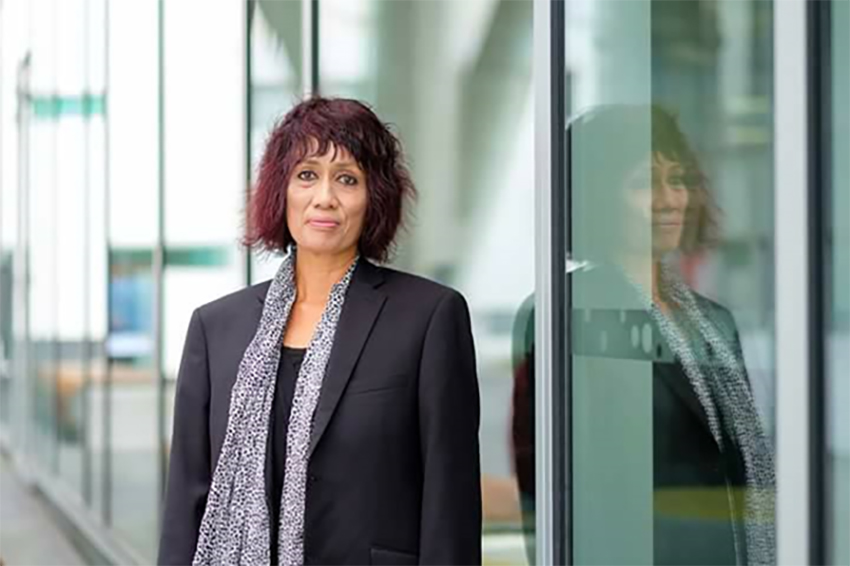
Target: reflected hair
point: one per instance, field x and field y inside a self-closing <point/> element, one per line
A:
<point x="608" y="142"/>
<point x="312" y="128"/>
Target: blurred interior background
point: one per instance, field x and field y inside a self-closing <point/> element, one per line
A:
<point x="129" y="136"/>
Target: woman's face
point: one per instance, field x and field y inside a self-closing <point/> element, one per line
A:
<point x="326" y="203"/>
<point x="659" y="193"/>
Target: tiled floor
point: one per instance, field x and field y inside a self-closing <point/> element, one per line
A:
<point x="28" y="535"/>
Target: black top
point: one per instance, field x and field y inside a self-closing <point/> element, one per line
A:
<point x="287" y="374"/>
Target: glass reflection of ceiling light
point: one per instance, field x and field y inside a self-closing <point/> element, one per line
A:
<point x="578" y="265"/>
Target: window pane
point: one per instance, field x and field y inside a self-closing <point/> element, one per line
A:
<point x="838" y="330"/>
<point x="10" y="244"/>
<point x="276" y="82"/>
<point x="96" y="252"/>
<point x="71" y="368"/>
<point x="672" y="330"/>
<point x="203" y="258"/>
<point x="133" y="220"/>
<point x="454" y="80"/>
<point x="39" y="147"/>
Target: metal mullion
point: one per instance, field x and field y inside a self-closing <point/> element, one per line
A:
<point x="27" y="439"/>
<point x="314" y="47"/>
<point x="106" y="464"/>
<point x="54" y="348"/>
<point x="544" y="291"/>
<point x="158" y="265"/>
<point x="86" y="486"/>
<point x="791" y="162"/>
<point x="559" y="214"/>
<point x="819" y="52"/>
<point x="309" y="47"/>
<point x="250" y="14"/>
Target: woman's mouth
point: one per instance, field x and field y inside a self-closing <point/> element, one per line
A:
<point x="323" y="224"/>
<point x="667" y="223"/>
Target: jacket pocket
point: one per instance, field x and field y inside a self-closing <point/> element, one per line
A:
<point x="361" y="386"/>
<point x="386" y="557"/>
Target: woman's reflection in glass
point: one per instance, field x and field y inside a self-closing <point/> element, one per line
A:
<point x="713" y="469"/>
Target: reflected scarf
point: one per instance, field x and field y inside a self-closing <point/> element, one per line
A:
<point x="723" y="389"/>
<point x="235" y="526"/>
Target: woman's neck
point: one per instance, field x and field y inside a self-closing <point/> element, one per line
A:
<point x="645" y="273"/>
<point x="316" y="274"/>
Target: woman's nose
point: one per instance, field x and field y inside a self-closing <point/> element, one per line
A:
<point x="663" y="195"/>
<point x="324" y="193"/>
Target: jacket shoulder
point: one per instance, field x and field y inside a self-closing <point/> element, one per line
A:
<point x="712" y="306"/>
<point x="421" y="288"/>
<point x="719" y="314"/>
<point x="235" y="302"/>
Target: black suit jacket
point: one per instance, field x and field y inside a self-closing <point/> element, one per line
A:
<point x="394" y="472"/>
<point x="693" y="522"/>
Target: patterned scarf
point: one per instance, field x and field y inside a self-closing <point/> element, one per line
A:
<point x="235" y="526"/>
<point x="723" y="389"/>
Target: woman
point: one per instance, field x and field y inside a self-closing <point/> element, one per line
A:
<point x="641" y="207"/>
<point x="329" y="416"/>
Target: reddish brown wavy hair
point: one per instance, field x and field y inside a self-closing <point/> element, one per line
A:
<point x="314" y="127"/>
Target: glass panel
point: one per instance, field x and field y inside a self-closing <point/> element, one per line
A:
<point x="42" y="211"/>
<point x="133" y="228"/>
<point x="276" y="83"/>
<point x="838" y="330"/>
<point x="41" y="296"/>
<point x="16" y="389"/>
<point x="96" y="254"/>
<point x="671" y="302"/>
<point x="71" y="367"/>
<point x="454" y="79"/>
<point x="203" y="260"/>
<point x="8" y="212"/>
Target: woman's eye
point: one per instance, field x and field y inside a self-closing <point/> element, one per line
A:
<point x="307" y="175"/>
<point x="349" y="180"/>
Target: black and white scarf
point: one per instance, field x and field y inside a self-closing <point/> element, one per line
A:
<point x="717" y="374"/>
<point x="235" y="526"/>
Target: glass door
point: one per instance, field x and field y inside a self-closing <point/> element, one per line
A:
<point x="669" y="304"/>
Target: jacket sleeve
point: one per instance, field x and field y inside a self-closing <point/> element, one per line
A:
<point x="189" y="473"/>
<point x="449" y="415"/>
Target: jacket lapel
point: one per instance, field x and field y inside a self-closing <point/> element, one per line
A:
<point x="362" y="305"/>
<point x="670" y="373"/>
